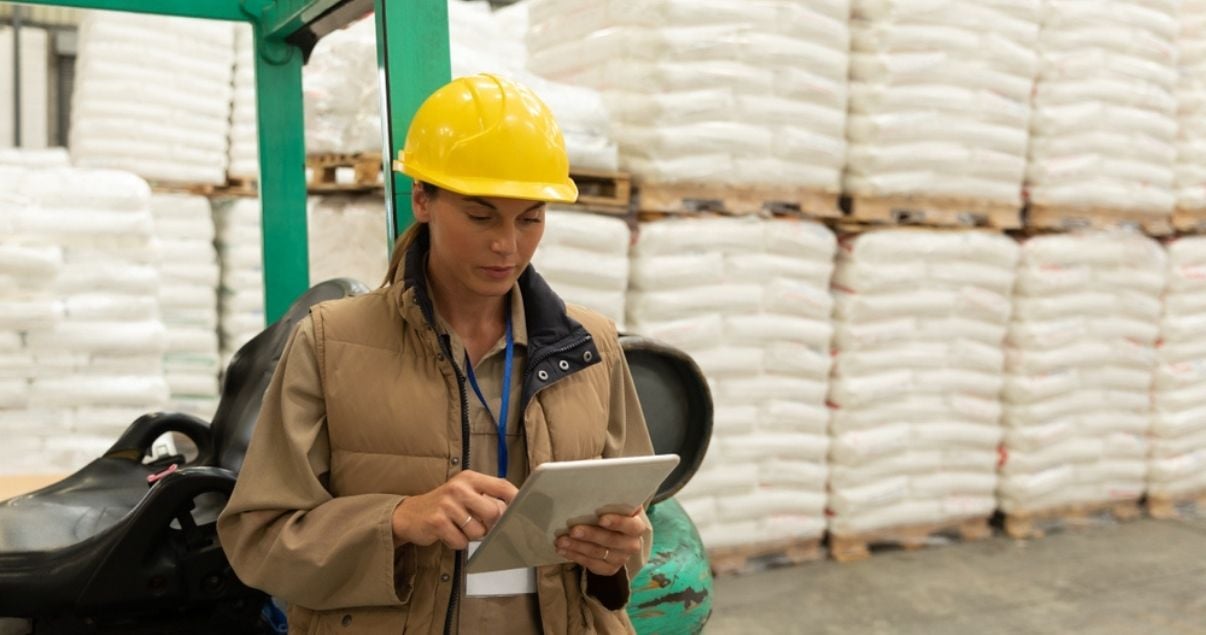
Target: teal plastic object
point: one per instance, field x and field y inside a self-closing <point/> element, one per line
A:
<point x="673" y="593"/>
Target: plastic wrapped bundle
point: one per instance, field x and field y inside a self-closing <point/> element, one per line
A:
<point x="167" y="121"/>
<point x="921" y="319"/>
<point x="81" y="340"/>
<point x="940" y="98"/>
<point x="347" y="238"/>
<point x="1178" y="432"/>
<point x="1080" y="365"/>
<point x="749" y="300"/>
<point x="188" y="298"/>
<point x="244" y="142"/>
<point x="584" y="257"/>
<point x="1103" y="132"/>
<point x="722" y="91"/>
<point x="238" y="223"/>
<point x="342" y="94"/>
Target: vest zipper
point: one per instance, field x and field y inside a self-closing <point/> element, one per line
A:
<point x="456" y="568"/>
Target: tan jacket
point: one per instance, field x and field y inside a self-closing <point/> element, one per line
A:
<point x="365" y="408"/>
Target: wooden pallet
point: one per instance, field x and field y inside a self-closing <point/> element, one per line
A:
<point x="749" y="558"/>
<point x="18" y="484"/>
<point x="605" y="192"/>
<point x="1187" y="220"/>
<point x="195" y="189"/>
<point x="934" y="211"/>
<point x="344" y="172"/>
<point x="1064" y="218"/>
<point x="659" y="199"/>
<point x="853" y="548"/>
<point x="1036" y="524"/>
<point x="1166" y="507"/>
<point x="239" y="186"/>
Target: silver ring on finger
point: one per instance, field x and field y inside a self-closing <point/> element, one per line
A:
<point x="467" y="521"/>
<point x="606" y="552"/>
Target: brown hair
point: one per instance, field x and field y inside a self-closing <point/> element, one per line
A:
<point x="407" y="239"/>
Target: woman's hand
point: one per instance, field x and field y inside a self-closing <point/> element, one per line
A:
<point x="604" y="549"/>
<point x="463" y="509"/>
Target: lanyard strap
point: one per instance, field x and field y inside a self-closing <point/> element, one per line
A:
<point x="501" y="420"/>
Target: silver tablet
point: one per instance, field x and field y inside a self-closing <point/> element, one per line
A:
<point x="558" y="496"/>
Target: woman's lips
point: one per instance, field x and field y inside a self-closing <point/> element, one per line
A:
<point x="498" y="273"/>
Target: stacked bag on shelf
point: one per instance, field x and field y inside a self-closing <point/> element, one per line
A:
<point x="721" y="91"/>
<point x="1191" y="108"/>
<point x="940" y="97"/>
<point x="241" y="314"/>
<point x="1080" y="364"/>
<point x="80" y="332"/>
<point x="165" y="121"/>
<point x="1178" y="432"/>
<point x="343" y="105"/>
<point x="347" y="238"/>
<point x="244" y="139"/>
<point x="920" y="318"/>
<point x="584" y="257"/>
<point x="749" y="300"/>
<point x="1104" y="127"/>
<point x="188" y="298"/>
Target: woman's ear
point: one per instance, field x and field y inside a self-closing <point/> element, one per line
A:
<point x="419" y="201"/>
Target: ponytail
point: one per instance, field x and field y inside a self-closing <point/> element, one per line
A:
<point x="407" y="239"/>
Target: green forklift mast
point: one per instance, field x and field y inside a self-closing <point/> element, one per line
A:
<point x="413" y="58"/>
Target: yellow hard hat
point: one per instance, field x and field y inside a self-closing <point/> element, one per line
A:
<point x="488" y="136"/>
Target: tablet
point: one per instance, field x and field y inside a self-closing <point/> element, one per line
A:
<point x="558" y="496"/>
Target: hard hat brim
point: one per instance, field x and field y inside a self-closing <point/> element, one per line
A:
<point x="566" y="192"/>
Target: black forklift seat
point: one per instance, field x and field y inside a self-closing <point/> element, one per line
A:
<point x="677" y="404"/>
<point x="125" y="540"/>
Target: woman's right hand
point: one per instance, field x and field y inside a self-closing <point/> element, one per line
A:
<point x="463" y="509"/>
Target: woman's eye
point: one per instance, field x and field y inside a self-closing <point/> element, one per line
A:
<point x="532" y="221"/>
<point x="480" y="219"/>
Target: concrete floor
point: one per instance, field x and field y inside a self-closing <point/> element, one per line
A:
<point x="1146" y="577"/>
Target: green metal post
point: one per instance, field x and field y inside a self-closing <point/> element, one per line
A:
<point x="278" y="77"/>
<point x="413" y="61"/>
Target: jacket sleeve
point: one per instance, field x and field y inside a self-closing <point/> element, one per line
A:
<point x="627" y="435"/>
<point x="282" y="530"/>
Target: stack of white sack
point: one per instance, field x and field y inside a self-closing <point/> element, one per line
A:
<point x="584" y="257"/>
<point x="1178" y="434"/>
<point x="921" y="319"/>
<point x="244" y="142"/>
<point x="188" y="300"/>
<point x="80" y="331"/>
<point x="749" y="300"/>
<point x="940" y="97"/>
<point x="1191" y="107"/>
<point x="166" y="120"/>
<point x="241" y="288"/>
<point x="1080" y="364"/>
<point x="343" y="104"/>
<point x="41" y="158"/>
<point x="719" y="91"/>
<point x="1104" y="127"/>
<point x="348" y="239"/>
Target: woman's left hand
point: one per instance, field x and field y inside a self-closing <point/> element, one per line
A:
<point x="604" y="549"/>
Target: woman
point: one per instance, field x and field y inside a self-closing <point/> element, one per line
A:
<point x="377" y="456"/>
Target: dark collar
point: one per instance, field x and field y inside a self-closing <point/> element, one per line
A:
<point x="551" y="331"/>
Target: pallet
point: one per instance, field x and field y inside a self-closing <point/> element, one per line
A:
<point x="656" y="200"/>
<point x="1187" y="220"/>
<point x="857" y="547"/>
<point x="1036" y="524"/>
<point x="750" y="558"/>
<point x="1165" y="507"/>
<point x="239" y="186"/>
<point x="934" y="211"/>
<point x="344" y="172"/>
<point x="194" y="189"/>
<point x="18" y="484"/>
<point x="1064" y="218"/>
<point x="603" y="192"/>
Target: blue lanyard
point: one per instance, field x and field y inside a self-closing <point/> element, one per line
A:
<point x="501" y="420"/>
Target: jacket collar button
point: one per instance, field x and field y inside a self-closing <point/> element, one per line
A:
<point x="587" y="356"/>
<point x="563" y="365"/>
<point x="543" y="375"/>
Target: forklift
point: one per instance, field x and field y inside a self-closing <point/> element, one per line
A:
<point x="128" y="543"/>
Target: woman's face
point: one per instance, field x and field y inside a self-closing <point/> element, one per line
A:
<point x="480" y="244"/>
